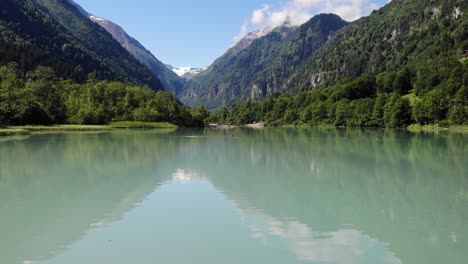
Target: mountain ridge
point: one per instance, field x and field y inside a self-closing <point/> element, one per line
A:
<point x="248" y="70"/>
<point x="168" y="78"/>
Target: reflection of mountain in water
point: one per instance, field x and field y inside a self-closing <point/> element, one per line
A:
<point x="321" y="190"/>
<point x="72" y="183"/>
<point x="409" y="191"/>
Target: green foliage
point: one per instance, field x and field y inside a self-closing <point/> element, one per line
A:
<point x="458" y="113"/>
<point x="385" y="82"/>
<point x="54" y="34"/>
<point x="356" y="103"/>
<point x="397" y="111"/>
<point x="44" y="99"/>
<point x="406" y="39"/>
<point x="402" y="82"/>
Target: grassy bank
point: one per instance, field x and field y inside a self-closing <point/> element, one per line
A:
<point x="27" y="130"/>
<point x="6" y="132"/>
<point x="63" y="128"/>
<point x="419" y="128"/>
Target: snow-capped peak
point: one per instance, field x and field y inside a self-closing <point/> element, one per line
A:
<point x="183" y="70"/>
<point x="186" y="72"/>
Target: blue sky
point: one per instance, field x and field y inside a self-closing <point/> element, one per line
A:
<point x="196" y="32"/>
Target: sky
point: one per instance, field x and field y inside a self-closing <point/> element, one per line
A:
<point x="196" y="32"/>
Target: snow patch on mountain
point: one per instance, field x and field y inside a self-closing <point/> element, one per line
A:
<point x="248" y="39"/>
<point x="96" y="18"/>
<point x="186" y="72"/>
<point x="257" y="34"/>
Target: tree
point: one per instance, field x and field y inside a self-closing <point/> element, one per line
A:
<point x="397" y="111"/>
<point x="199" y="116"/>
<point x="343" y="112"/>
<point x="458" y="113"/>
<point x="378" y="111"/>
<point x="402" y="83"/>
<point x="307" y="114"/>
<point x="432" y="108"/>
<point x="384" y="82"/>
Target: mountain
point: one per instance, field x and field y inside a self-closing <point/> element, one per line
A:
<point x="404" y="64"/>
<point x="224" y="82"/>
<point x="422" y="35"/>
<point x="256" y="67"/>
<point x="171" y="81"/>
<point x="55" y="33"/>
<point x="186" y="73"/>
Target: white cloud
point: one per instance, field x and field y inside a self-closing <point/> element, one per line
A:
<point x="297" y="12"/>
<point x="258" y="15"/>
<point x="243" y="31"/>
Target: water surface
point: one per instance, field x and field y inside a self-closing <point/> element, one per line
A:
<point x="238" y="196"/>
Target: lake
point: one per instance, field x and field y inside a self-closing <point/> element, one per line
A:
<point x="284" y="196"/>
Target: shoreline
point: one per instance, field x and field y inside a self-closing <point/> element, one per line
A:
<point x="414" y="128"/>
<point x="32" y="129"/>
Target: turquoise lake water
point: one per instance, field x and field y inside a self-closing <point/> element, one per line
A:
<point x="235" y="196"/>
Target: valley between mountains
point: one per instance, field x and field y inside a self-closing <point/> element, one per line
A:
<point x="406" y="64"/>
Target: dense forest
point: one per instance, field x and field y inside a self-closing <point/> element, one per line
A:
<point x="390" y="99"/>
<point x="423" y="35"/>
<point x="55" y="34"/>
<point x="40" y="97"/>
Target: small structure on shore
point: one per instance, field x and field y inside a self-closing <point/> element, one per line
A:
<point x="256" y="125"/>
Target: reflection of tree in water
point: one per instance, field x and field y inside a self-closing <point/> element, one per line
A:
<point x="408" y="190"/>
<point x="56" y="187"/>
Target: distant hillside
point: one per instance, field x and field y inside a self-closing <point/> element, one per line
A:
<point x="55" y="33"/>
<point x="256" y="67"/>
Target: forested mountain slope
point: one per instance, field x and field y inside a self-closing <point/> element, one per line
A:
<point x="169" y="79"/>
<point x="427" y="36"/>
<point x="224" y="81"/>
<point x="54" y="33"/>
<point x="256" y="71"/>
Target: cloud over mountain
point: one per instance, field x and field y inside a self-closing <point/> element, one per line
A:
<point x="297" y="12"/>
